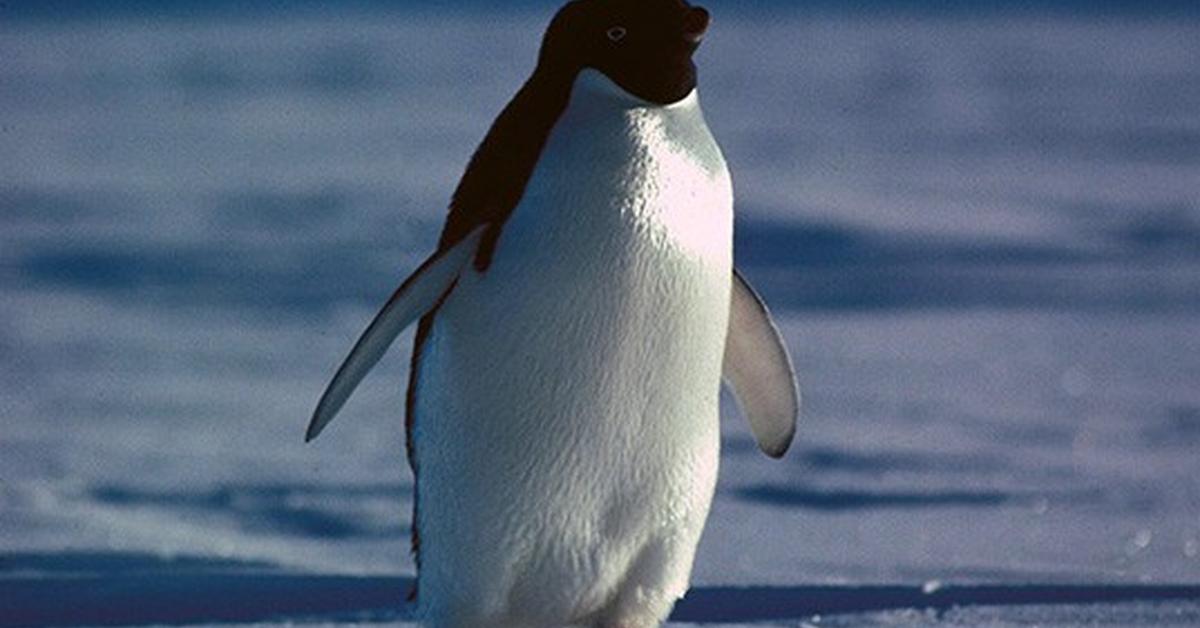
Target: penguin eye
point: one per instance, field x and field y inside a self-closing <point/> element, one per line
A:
<point x="616" y="33"/>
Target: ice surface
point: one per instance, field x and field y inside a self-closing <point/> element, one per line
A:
<point x="981" y="234"/>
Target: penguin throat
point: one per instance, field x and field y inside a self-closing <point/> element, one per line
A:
<point x="594" y="83"/>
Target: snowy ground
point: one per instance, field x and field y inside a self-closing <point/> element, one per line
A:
<point x="982" y="235"/>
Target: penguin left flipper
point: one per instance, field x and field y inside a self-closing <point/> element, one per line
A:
<point x="759" y="371"/>
<point x="419" y="294"/>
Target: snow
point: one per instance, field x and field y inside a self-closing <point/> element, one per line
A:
<point x="980" y="234"/>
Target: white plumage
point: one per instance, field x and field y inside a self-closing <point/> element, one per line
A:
<point x="568" y="397"/>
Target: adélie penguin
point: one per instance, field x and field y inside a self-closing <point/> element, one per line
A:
<point x="576" y="322"/>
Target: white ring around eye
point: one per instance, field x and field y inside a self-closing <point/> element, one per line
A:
<point x="616" y="33"/>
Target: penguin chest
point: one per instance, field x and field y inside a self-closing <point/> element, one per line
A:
<point x="602" y="318"/>
<point x="568" y="396"/>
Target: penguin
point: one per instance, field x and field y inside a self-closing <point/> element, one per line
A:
<point x="575" y="324"/>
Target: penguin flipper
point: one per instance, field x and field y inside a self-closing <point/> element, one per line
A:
<point x="419" y="294"/>
<point x="759" y="371"/>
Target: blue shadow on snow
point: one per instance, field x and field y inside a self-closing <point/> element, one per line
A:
<point x="140" y="589"/>
<point x="295" y="510"/>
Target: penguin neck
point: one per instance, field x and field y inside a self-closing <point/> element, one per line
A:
<point x="500" y="169"/>
<point x="495" y="178"/>
<point x="594" y="86"/>
<point x="542" y="99"/>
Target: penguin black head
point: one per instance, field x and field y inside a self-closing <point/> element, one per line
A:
<point x="644" y="46"/>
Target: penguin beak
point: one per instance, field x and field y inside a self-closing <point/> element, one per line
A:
<point x="695" y="25"/>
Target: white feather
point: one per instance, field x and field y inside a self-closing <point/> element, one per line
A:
<point x="567" y="399"/>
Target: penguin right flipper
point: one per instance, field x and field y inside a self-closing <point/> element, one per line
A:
<point x="759" y="371"/>
<point x="419" y="294"/>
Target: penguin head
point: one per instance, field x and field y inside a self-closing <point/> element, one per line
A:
<point x="644" y="46"/>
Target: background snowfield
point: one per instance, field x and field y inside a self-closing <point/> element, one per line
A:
<point x="980" y="232"/>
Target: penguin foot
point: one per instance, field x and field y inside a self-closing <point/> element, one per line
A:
<point x="649" y="613"/>
<point x="633" y="623"/>
<point x="656" y="579"/>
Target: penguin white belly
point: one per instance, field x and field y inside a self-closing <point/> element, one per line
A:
<point x="566" y="434"/>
